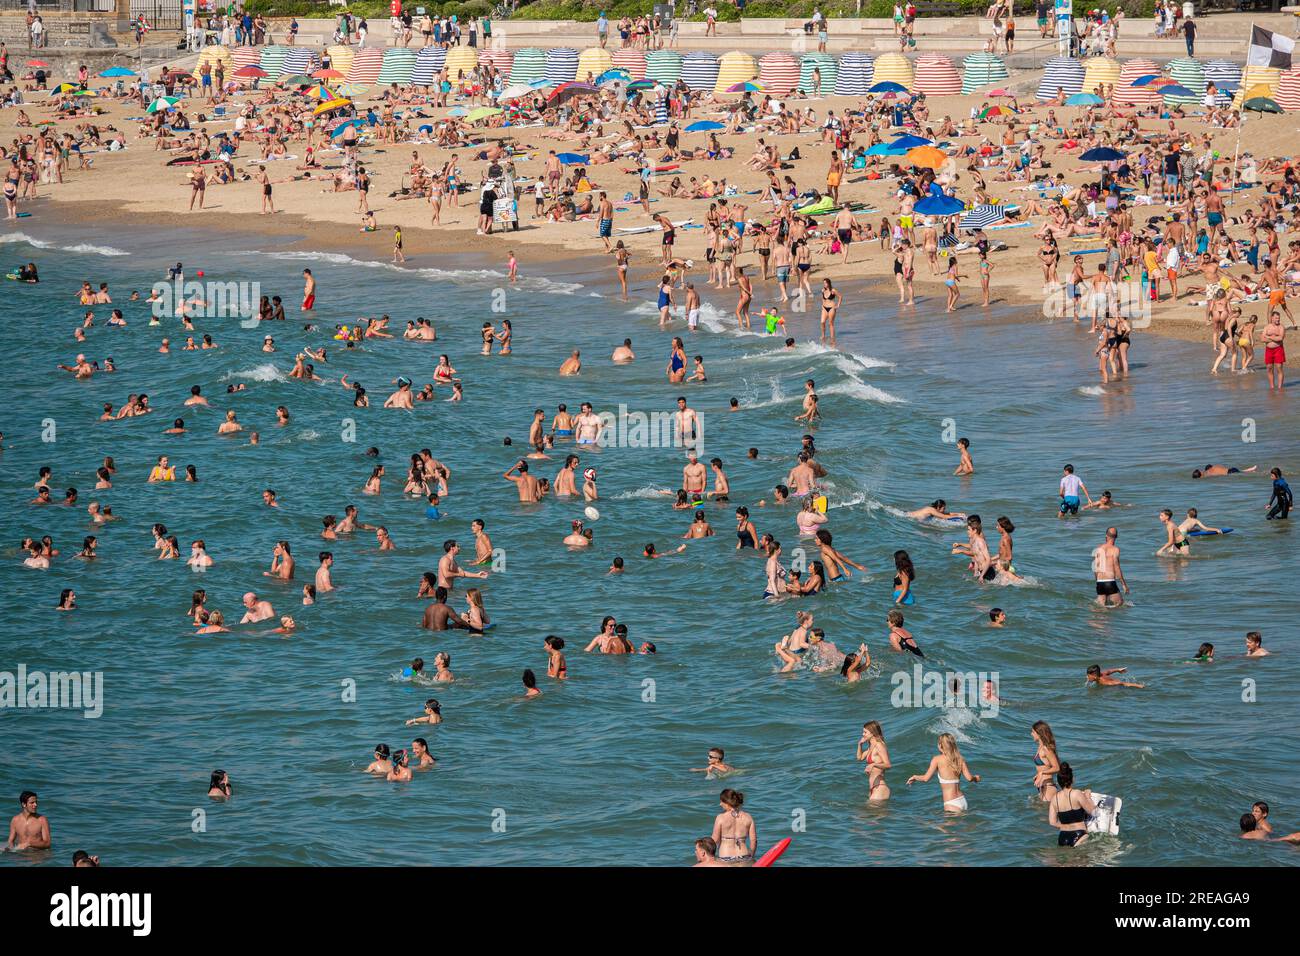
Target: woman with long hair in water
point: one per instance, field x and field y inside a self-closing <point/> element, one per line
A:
<point x="951" y="767"/>
<point x="734" y="831"/>
<point x="1046" y="761"/>
<point x="872" y="749"/>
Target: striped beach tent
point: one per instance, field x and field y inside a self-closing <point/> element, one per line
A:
<point x="593" y="62"/>
<point x="529" y="64"/>
<point x="1288" y="90"/>
<point x="700" y="70"/>
<point x="827" y="69"/>
<point x="461" y="62"/>
<point x="500" y="58"/>
<point x="734" y="67"/>
<point x="366" y="64"/>
<point x="778" y="73"/>
<point x="399" y="65"/>
<point x="1256" y="77"/>
<point x="935" y="75"/>
<point x="218" y="54"/>
<point x="299" y="60"/>
<point x="1099" y="71"/>
<point x="633" y="62"/>
<point x="856" y="74"/>
<point x="1130" y="95"/>
<point x="341" y="58"/>
<point x="1219" y="72"/>
<point x="894" y="68"/>
<point x="561" y="64"/>
<point x="663" y="66"/>
<point x="240" y="56"/>
<point x="1189" y="73"/>
<point x="982" y="69"/>
<point x="428" y="64"/>
<point x="272" y="59"/>
<point x="1061" y="73"/>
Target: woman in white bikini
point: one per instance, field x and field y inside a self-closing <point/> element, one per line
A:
<point x="951" y="766"/>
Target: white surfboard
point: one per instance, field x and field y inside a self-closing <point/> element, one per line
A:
<point x="1106" y="819"/>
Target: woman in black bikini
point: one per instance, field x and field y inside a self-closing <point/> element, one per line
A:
<point x="1070" y="809"/>
<point x="746" y="536"/>
<point x="830" y="306"/>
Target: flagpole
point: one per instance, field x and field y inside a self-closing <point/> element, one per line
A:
<point x="1241" y="118"/>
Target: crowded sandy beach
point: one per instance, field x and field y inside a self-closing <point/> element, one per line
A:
<point x="1060" y="297"/>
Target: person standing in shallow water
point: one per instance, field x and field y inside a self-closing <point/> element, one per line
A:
<point x="951" y="767"/>
<point x="734" y="831"/>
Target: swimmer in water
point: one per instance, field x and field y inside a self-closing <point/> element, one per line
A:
<point x="556" y="666"/>
<point x="1216" y="471"/>
<point x="734" y="831"/>
<point x="794" y="645"/>
<point x="432" y="713"/>
<point x="1255" y="644"/>
<point x="967" y="465"/>
<point x="716" y="766"/>
<point x="1176" y="543"/>
<point x="855" y="664"/>
<point x="382" y="762"/>
<point x="530" y="685"/>
<point x="1101" y="677"/>
<point x="1105" y="501"/>
<point x="937" y="509"/>
<point x="401" y="770"/>
<point x="951" y="767"/>
<point x="876" y="754"/>
<point x="1193" y="523"/>
<point x="837" y="563"/>
<point x="900" y="638"/>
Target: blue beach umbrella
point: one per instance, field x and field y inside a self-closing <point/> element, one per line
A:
<point x="1084" y="99"/>
<point x="118" y="71"/>
<point x="1101" y="154"/>
<point x="939" y="206"/>
<point x="910" y="142"/>
<point x="338" y="130"/>
<point x="887" y="86"/>
<point x="1144" y="80"/>
<point x="1174" y="90"/>
<point x="614" y="76"/>
<point x="704" y="126"/>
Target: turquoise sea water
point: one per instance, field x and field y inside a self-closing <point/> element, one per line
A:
<point x="595" y="772"/>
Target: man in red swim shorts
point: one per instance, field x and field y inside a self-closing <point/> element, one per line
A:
<point x="1274" y="349"/>
<point x="308" y="291"/>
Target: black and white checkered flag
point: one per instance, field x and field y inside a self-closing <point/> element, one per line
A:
<point x="1269" y="49"/>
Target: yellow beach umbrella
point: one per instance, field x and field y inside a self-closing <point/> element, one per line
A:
<point x="330" y="105"/>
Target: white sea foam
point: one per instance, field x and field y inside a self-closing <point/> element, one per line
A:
<point x="81" y="247"/>
<point x="266" y="372"/>
<point x="856" y="388"/>
<point x="1091" y="390"/>
<point x="647" y="491"/>
<point x="532" y="283"/>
